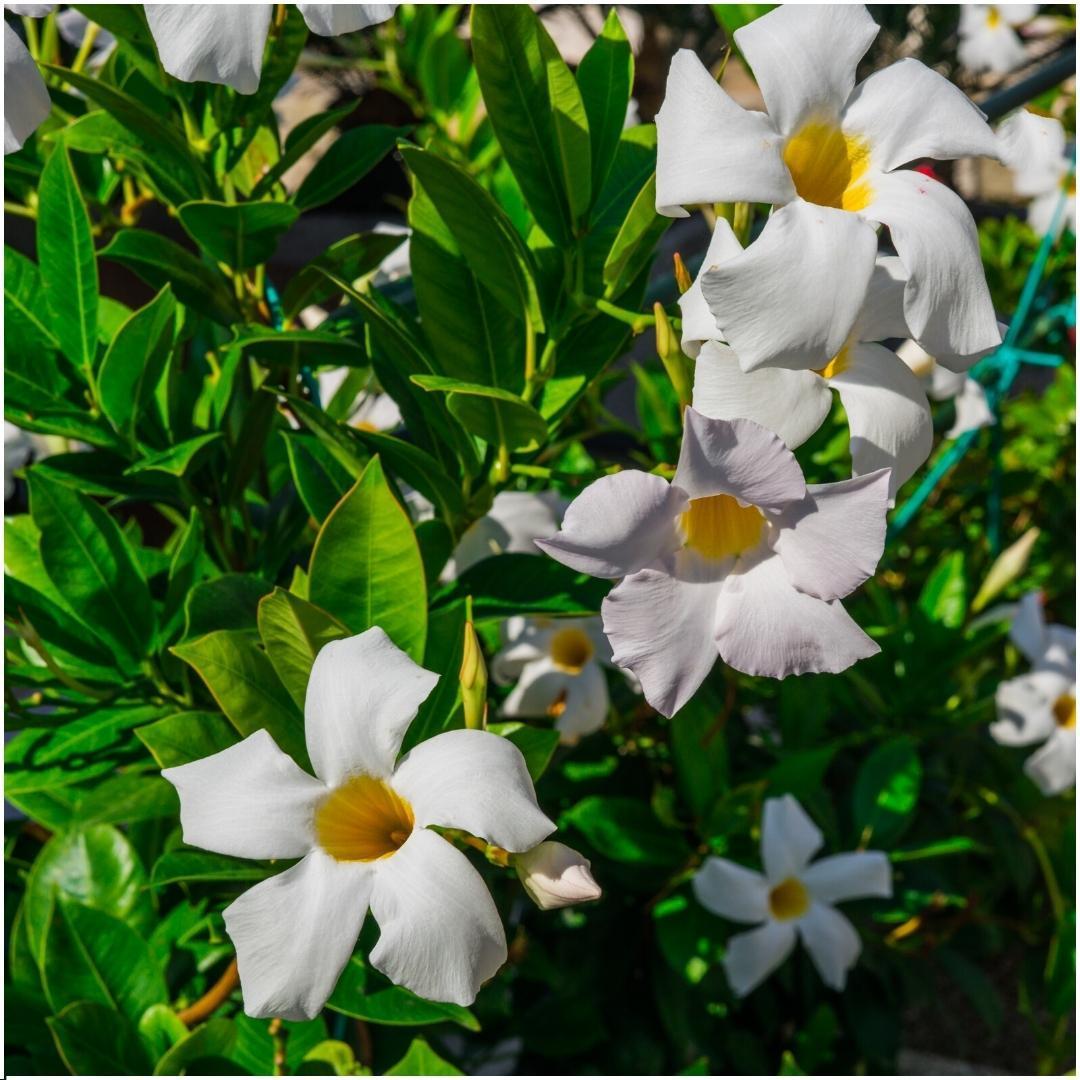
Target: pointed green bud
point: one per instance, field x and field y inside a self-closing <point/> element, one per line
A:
<point x="473" y="679"/>
<point x="677" y="364"/>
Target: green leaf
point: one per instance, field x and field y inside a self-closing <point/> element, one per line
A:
<point x="510" y="64"/>
<point x="312" y="347"/>
<point x="89" y="560"/>
<point x="188" y="865"/>
<point x="606" y="78"/>
<point x="129" y="797"/>
<point x="421" y="1060"/>
<point x="699" y="750"/>
<point x="177" y="460"/>
<point x="351" y="156"/>
<point x="243" y="682"/>
<point x="91" y="956"/>
<point x="441" y="709"/>
<point x="293" y="631"/>
<point x="299" y="141"/>
<point x="537" y="745"/>
<point x="944" y="596"/>
<point x="134" y="363"/>
<point x="953" y="845"/>
<point x="887" y="792"/>
<point x="801" y="773"/>
<point x="320" y="478"/>
<point x="633" y="246"/>
<point x="25" y="303"/>
<point x="96" y="1040"/>
<point x="186" y="736"/>
<point x="66" y="255"/>
<point x="161" y="1029"/>
<point x="498" y="416"/>
<point x="571" y="130"/>
<point x="212" y="1043"/>
<point x="227" y="602"/>
<point x="241" y="235"/>
<point x="626" y="830"/>
<point x="366" y="568"/>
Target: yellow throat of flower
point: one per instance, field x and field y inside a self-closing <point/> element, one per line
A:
<point x="993" y="17"/>
<point x="363" y="820"/>
<point x="840" y="362"/>
<point x="571" y="650"/>
<point x="1065" y="711"/>
<point x="717" y="527"/>
<point x="789" y="899"/>
<point x="828" y="167"/>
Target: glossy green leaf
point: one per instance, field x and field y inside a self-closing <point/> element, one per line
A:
<point x="26" y="313"/>
<point x="180" y="459"/>
<point x="537" y="744"/>
<point x="421" y="1060"/>
<point x="299" y="141"/>
<point x="887" y="792"/>
<point x="227" y="602"/>
<point x="632" y="249"/>
<point x="441" y="709"/>
<point x="209" y="1043"/>
<point x="312" y="347"/>
<point x="187" y="865"/>
<point x="186" y="736"/>
<point x="241" y="235"/>
<point x="498" y="416"/>
<point x="96" y="1040"/>
<point x="129" y="797"/>
<point x="627" y="831"/>
<point x="944" y="596"/>
<point x="320" y="479"/>
<point x="350" y="157"/>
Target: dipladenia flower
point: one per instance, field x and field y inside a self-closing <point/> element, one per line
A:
<point x="988" y="37"/>
<point x="737" y="556"/>
<point x="827" y="154"/>
<point x="557" y="665"/>
<point x="26" y="98"/>
<point x="223" y="43"/>
<point x="1040" y="707"/>
<point x="793" y="899"/>
<point x="942" y="384"/>
<point x="515" y="521"/>
<point x="1034" y="148"/>
<point x="361" y="828"/>
<point x="556" y="876"/>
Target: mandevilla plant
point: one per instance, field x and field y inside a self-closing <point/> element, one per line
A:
<point x="342" y="365"/>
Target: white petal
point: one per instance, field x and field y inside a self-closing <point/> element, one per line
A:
<point x="794" y="404"/>
<point x="1028" y="628"/>
<point x="556" y="876"/>
<point x="378" y="412"/>
<point x="1043" y="215"/>
<point x="850" y="876"/>
<point x="586" y="705"/>
<point x="943" y="383"/>
<point x="516" y="519"/>
<point x="476" y="781"/>
<point x="882" y="315"/>
<point x="831" y="542"/>
<point x="73" y="25"/>
<point x="765" y="626"/>
<point x="525" y="646"/>
<point x="789" y="839"/>
<point x="698" y="324"/>
<point x="618" y="525"/>
<point x="737" y="457"/>
<point x="215" y="43"/>
<point x="907" y="111"/>
<point x="832" y="942"/>
<point x="888" y="415"/>
<point x="439" y="932"/>
<point x="1033" y="147"/>
<point x="1025" y="708"/>
<point x="661" y="624"/>
<point x="329" y="20"/>
<point x="711" y="150"/>
<point x="541" y="684"/>
<point x="972" y="409"/>
<point x="731" y="891"/>
<point x="750" y="958"/>
<point x="804" y="58"/>
<point x="792" y="297"/>
<point x="30" y="11"/>
<point x="250" y="800"/>
<point x="362" y="695"/>
<point x="26" y="100"/>
<point x="1015" y="14"/>
<point x="946" y="303"/>
<point x="990" y="48"/>
<point x="294" y="933"/>
<point x="1053" y="767"/>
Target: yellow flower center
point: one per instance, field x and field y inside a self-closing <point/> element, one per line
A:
<point x="789" y="899"/>
<point x="571" y="649"/>
<point x="829" y="167"/>
<point x="363" y="820"/>
<point x="840" y="362"/>
<point x="716" y="526"/>
<point x="1065" y="711"/>
<point x="993" y="17"/>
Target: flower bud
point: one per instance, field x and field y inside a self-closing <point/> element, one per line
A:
<point x="473" y="679"/>
<point x="682" y="275"/>
<point x="556" y="876"/>
<point x="1008" y="566"/>
<point x="676" y="363"/>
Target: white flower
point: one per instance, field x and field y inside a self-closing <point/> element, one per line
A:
<point x="360" y="828"/>
<point x="370" y="410"/>
<point x="737" y="556"/>
<point x="556" y="664"/>
<point x="835" y="146"/>
<point x="1040" y="707"/>
<point x="988" y="40"/>
<point x="26" y="99"/>
<point x="792" y="899"/>
<point x="398" y="263"/>
<point x="1034" y="148"/>
<point x="941" y="383"/>
<point x="515" y="521"/>
<point x="556" y="876"/>
<point x="223" y="43"/>
<point x="18" y="451"/>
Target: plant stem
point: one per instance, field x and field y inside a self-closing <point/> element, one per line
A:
<point x="92" y="30"/>
<point x="215" y="996"/>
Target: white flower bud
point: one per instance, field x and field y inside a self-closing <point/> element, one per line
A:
<point x="556" y="876"/>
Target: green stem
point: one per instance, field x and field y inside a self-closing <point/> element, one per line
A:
<point x="87" y="46"/>
<point x="636" y="320"/>
<point x="20" y="210"/>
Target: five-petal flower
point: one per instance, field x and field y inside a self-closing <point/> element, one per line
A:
<point x="988" y="37"/>
<point x="1033" y="147"/>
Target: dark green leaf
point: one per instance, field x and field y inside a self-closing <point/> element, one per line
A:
<point x="887" y="792"/>
<point x="498" y="416"/>
<point x="626" y="830"/>
<point x="186" y="736"/>
<point x="187" y="865"/>
<point x="96" y="1040"/>
<point x="241" y="235"/>
<point x="537" y="745"/>
<point x="178" y="460"/>
<point x="635" y="242"/>
<point x="351" y="156"/>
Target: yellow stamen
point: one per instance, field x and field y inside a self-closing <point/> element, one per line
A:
<point x="558" y="706"/>
<point x="789" y="899"/>
<point x="829" y="167"/>
<point x="840" y="362"/>
<point x="571" y="650"/>
<point x="716" y="526"/>
<point x="363" y="820"/>
<point x="1065" y="711"/>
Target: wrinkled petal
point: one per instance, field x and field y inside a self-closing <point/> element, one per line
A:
<point x="439" y="932"/>
<point x="476" y="781"/>
<point x="792" y="297"/>
<point x="908" y="111"/>
<point x="888" y="415"/>
<point x="882" y="314"/>
<point x="789" y="839"/>
<point x="250" y="800"/>
<point x="804" y="58"/>
<point x="731" y="891"/>
<point x="794" y="404"/>
<point x="556" y="876"/>
<point x="946" y="303"/>
<point x="750" y="958"/>
<point x="329" y="20"/>
<point x="1025" y="707"/>
<point x="1052" y="768"/>
<point x="737" y="457"/>
<point x="765" y="626"/>
<point x="698" y="323"/>
<point x="618" y="525"/>
<point x="215" y="43"/>
<point x="541" y="684"/>
<point x="586" y="705"/>
<point x="972" y="409"/>
<point x="851" y="876"/>
<point x="661" y="624"/>
<point x="361" y="697"/>
<point x="832" y="942"/>
<point x="294" y="933"/>
<point x="831" y="542"/>
<point x="26" y="99"/>
<point x="711" y="150"/>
